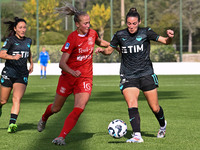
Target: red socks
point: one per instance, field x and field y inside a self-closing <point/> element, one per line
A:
<point x="70" y="121"/>
<point x="47" y="113"/>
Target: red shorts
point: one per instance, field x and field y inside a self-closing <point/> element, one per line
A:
<point x="69" y="84"/>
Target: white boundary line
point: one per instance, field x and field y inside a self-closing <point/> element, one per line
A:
<point x="168" y="68"/>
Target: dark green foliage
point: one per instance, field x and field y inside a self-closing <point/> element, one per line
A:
<point x="52" y="38"/>
<point x="9" y="10"/>
<point x="158" y="53"/>
<point x="163" y="53"/>
<point x="107" y="36"/>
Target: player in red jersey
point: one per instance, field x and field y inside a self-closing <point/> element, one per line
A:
<point x="77" y="71"/>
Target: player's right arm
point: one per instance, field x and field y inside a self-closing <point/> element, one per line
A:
<point x="106" y="51"/>
<point x="67" y="51"/>
<point x="4" y="55"/>
<point x="63" y="65"/>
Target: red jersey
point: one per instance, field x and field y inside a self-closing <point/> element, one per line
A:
<point x="80" y="49"/>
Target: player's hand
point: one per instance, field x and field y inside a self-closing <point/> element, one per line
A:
<point x="17" y="57"/>
<point x="170" y="33"/>
<point x="76" y="73"/>
<point x="49" y="61"/>
<point x="99" y="50"/>
<point x="38" y="61"/>
<point x="30" y="68"/>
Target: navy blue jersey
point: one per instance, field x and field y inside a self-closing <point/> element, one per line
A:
<point x="13" y="46"/>
<point x="135" y="52"/>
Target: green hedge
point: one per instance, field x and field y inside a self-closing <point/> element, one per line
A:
<point x="55" y="54"/>
<point x="163" y="53"/>
<point x="52" y="38"/>
<point x="159" y="53"/>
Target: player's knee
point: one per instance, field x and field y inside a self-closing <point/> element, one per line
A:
<point x="3" y="101"/>
<point x="16" y="100"/>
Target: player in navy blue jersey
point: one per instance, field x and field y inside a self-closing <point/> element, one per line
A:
<point x="44" y="59"/>
<point x="14" y="77"/>
<point x="136" y="71"/>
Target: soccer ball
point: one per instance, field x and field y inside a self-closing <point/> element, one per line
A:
<point x="117" y="128"/>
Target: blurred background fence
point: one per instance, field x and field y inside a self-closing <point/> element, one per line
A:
<point x="159" y="15"/>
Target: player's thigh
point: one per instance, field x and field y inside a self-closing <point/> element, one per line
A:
<point x="152" y="99"/>
<point x="149" y="82"/>
<point x="81" y="99"/>
<point x="58" y="103"/>
<point x="131" y="96"/>
<point x="6" y="87"/>
<point x="82" y="92"/>
<point x="5" y="93"/>
<point x="18" y="91"/>
<point x="65" y="85"/>
<point x="83" y="85"/>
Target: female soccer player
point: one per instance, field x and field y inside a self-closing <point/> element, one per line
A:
<point x="77" y="71"/>
<point x="14" y="76"/>
<point x="136" y="70"/>
<point x="43" y="60"/>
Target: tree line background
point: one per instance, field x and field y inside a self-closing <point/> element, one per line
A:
<point x="54" y="28"/>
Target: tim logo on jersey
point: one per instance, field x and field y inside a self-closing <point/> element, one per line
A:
<point x="132" y="49"/>
<point x="24" y="54"/>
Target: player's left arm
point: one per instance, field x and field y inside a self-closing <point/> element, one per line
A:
<point x="166" y="40"/>
<point x="102" y="43"/>
<point x="30" y="59"/>
<point x="108" y="49"/>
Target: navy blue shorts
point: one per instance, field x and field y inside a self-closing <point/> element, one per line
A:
<point x="8" y="81"/>
<point x="145" y="83"/>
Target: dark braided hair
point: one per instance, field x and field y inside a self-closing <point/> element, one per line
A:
<point x="13" y="24"/>
<point x="133" y="13"/>
<point x="68" y="9"/>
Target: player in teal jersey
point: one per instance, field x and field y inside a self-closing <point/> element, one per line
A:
<point x="136" y="70"/>
<point x="14" y="77"/>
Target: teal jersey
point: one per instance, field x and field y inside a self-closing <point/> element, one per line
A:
<point x="135" y="52"/>
<point x="13" y="46"/>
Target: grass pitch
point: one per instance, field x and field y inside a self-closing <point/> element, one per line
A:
<point x="178" y="95"/>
